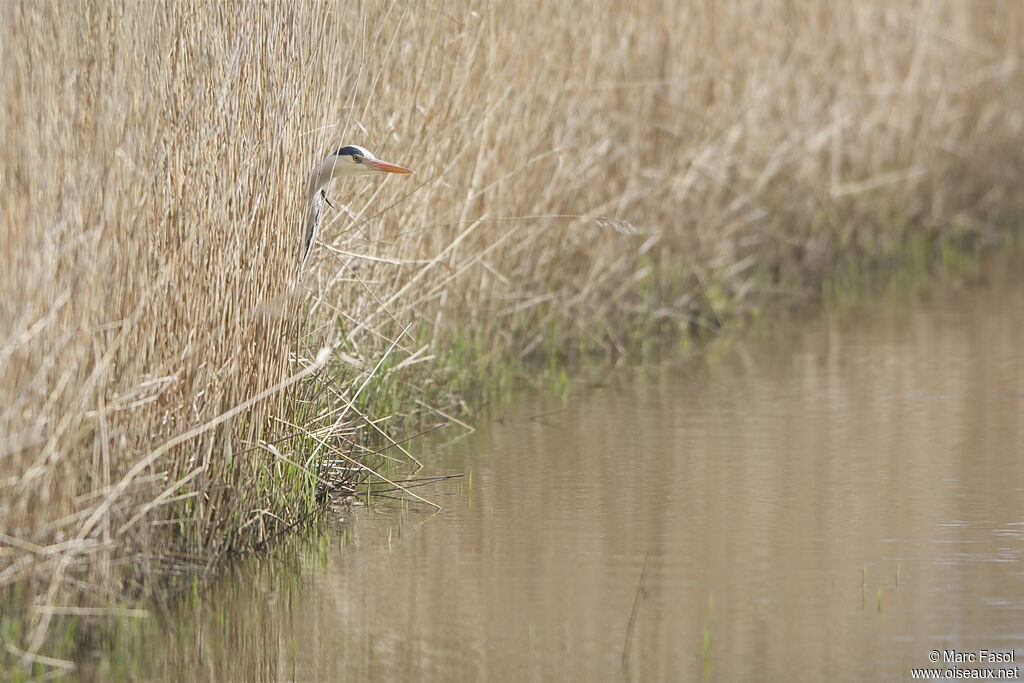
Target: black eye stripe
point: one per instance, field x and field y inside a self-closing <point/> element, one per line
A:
<point x="350" y="151"/>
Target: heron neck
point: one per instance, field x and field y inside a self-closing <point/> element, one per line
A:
<point x="319" y="178"/>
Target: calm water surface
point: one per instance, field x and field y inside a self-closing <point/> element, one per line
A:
<point x="831" y="503"/>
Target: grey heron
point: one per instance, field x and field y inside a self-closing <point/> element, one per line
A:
<point x="350" y="160"/>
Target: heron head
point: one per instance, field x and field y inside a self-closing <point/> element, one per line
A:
<point x="353" y="160"/>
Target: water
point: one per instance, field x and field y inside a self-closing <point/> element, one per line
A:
<point x="831" y="503"/>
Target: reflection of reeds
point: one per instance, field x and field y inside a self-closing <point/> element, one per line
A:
<point x="573" y="162"/>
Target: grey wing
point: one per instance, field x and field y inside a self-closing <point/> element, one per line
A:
<point x="312" y="223"/>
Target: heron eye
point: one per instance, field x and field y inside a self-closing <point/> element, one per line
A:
<point x="358" y="158"/>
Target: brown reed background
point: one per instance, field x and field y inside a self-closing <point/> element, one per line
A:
<point x="575" y="163"/>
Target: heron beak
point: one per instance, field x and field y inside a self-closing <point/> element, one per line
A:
<point x="378" y="165"/>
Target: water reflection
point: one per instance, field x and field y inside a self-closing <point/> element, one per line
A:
<point x="831" y="503"/>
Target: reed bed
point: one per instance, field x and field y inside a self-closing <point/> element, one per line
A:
<point x="173" y="386"/>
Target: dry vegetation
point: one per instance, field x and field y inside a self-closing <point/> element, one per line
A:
<point x="161" y="399"/>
